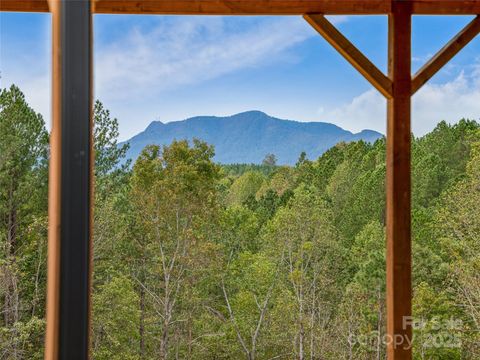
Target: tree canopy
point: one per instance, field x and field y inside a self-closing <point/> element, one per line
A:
<point x="196" y="260"/>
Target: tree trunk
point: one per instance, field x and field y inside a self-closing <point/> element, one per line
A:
<point x="164" y="341"/>
<point x="167" y="313"/>
<point x="379" y="323"/>
<point x="190" y="337"/>
<point x="141" y="329"/>
<point x="301" y="332"/>
<point x="312" y="317"/>
<point x="11" y="315"/>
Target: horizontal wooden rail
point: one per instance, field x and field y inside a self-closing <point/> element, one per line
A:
<point x="257" y="7"/>
<point x="444" y="7"/>
<point x="242" y="7"/>
<point x="24" y="5"/>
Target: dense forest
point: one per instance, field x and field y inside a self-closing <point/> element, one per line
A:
<point x="197" y="260"/>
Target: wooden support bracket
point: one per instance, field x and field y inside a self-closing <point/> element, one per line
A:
<point x="445" y="54"/>
<point x="354" y="56"/>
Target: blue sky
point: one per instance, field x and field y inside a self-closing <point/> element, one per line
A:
<point x="173" y="67"/>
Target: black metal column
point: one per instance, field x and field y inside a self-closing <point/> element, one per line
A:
<point x="76" y="179"/>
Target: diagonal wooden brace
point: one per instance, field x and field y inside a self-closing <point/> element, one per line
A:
<point x="354" y="56"/>
<point x="445" y="54"/>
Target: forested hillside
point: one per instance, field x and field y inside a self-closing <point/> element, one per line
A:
<point x="194" y="260"/>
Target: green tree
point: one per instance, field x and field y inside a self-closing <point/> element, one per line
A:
<point x="174" y="198"/>
<point x="249" y="288"/>
<point x="436" y="331"/>
<point x="269" y="160"/>
<point x="116" y="314"/>
<point x="457" y="226"/>
<point x="244" y="187"/>
<point x="239" y="227"/>
<point x="439" y="159"/>
<point x="111" y="167"/>
<point x="23" y="155"/>
<point x="108" y="153"/>
<point x="368" y="313"/>
<point x="303" y="237"/>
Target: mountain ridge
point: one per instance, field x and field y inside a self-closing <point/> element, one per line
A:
<point x="248" y="136"/>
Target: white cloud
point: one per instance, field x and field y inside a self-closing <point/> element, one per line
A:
<point x="366" y="111"/>
<point x="450" y="101"/>
<point x="182" y="51"/>
<point x="165" y="53"/>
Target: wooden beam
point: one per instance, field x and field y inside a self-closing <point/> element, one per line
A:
<point x="283" y="7"/>
<point x="444" y="7"/>
<point x="243" y="7"/>
<point x="354" y="56"/>
<point x="442" y="57"/>
<point x="258" y="7"/>
<point x="24" y="5"/>
<point x="70" y="184"/>
<point x="399" y="267"/>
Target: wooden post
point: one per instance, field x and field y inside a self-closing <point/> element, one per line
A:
<point x="399" y="287"/>
<point x="70" y="183"/>
<point x="54" y="192"/>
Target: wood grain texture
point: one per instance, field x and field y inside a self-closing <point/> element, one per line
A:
<point x="25" y="5"/>
<point x="444" y="7"/>
<point x="243" y="7"/>
<point x="354" y="56"/>
<point x="54" y="196"/>
<point x="442" y="57"/>
<point x="399" y="267"/>
<point x="258" y="7"/>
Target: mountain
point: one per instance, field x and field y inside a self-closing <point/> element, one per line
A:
<point x="247" y="137"/>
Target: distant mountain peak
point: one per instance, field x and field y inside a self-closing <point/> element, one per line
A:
<point x="248" y="136"/>
<point x="256" y="113"/>
<point x="367" y="131"/>
<point x="154" y="125"/>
